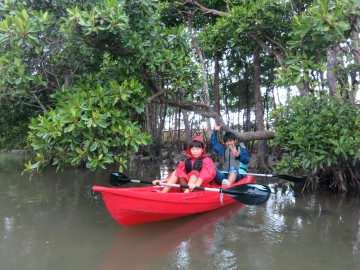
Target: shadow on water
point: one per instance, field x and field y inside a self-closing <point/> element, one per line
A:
<point x="54" y="221"/>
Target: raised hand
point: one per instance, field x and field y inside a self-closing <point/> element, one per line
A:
<point x="217" y="127"/>
<point x="234" y="151"/>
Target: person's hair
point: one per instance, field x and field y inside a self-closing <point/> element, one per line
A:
<point x="229" y="136"/>
<point x="196" y="144"/>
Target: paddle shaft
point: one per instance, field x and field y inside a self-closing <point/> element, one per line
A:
<point x="196" y="187"/>
<point x="175" y="185"/>
<point x="262" y="193"/>
<point x="295" y="179"/>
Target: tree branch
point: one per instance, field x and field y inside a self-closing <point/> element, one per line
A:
<point x="263" y="45"/>
<point x="206" y="112"/>
<point x="204" y="9"/>
<point x="274" y="42"/>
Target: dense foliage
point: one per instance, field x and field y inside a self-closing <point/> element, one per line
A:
<point x="323" y="50"/>
<point x="321" y="136"/>
<point x="89" y="128"/>
<point x="90" y="68"/>
<point x="14" y="121"/>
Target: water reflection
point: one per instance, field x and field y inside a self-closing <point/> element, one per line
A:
<point x="182" y="255"/>
<point x="8" y="224"/>
<point x="151" y="242"/>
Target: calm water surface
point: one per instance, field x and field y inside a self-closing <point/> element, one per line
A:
<point x="54" y="221"/>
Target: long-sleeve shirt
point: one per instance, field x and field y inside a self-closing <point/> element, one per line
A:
<point x="229" y="160"/>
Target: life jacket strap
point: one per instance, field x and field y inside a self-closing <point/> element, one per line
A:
<point x="197" y="166"/>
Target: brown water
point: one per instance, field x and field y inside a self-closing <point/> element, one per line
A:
<point x="54" y="221"/>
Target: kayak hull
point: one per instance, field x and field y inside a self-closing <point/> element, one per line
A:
<point x="136" y="205"/>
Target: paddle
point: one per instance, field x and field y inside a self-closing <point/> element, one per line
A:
<point x="295" y="179"/>
<point x="251" y="194"/>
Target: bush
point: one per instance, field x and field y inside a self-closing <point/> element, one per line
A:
<point x="91" y="126"/>
<point x="320" y="135"/>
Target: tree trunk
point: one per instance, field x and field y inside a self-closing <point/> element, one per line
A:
<point x="354" y="37"/>
<point x="201" y="57"/>
<point x="154" y="124"/>
<point x="187" y="126"/>
<point x="332" y="66"/>
<point x="262" y="164"/>
<point x="247" y="112"/>
<point x="217" y="83"/>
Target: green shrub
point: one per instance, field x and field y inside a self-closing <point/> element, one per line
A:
<point x="93" y="126"/>
<point x="320" y="135"/>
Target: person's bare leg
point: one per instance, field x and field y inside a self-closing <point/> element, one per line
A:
<point x="172" y="180"/>
<point x="232" y="177"/>
<point x="192" y="181"/>
<point x="182" y="181"/>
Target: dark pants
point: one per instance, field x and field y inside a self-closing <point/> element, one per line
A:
<point x="221" y="175"/>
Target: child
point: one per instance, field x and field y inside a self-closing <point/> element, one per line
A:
<point x="197" y="170"/>
<point x="235" y="158"/>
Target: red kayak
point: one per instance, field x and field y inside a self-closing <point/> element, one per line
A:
<point x="136" y="205"/>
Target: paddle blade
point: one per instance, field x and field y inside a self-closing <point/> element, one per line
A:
<point x="118" y="179"/>
<point x="295" y="179"/>
<point x="251" y="194"/>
